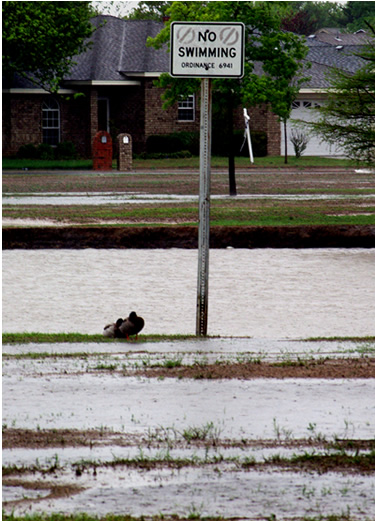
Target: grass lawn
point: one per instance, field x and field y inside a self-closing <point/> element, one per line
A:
<point x="193" y="162"/>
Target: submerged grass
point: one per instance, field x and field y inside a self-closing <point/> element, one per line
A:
<point x="340" y="339"/>
<point x="161" y="517"/>
<point x="53" y="338"/>
<point x="322" y="463"/>
<point x="113" y="517"/>
<point x="340" y="461"/>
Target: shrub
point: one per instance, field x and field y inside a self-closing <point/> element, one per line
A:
<point x="28" y="151"/>
<point x="45" y="151"/>
<point x="190" y="141"/>
<point x="299" y="140"/>
<point x="167" y="143"/>
<point x="258" y="142"/>
<point x="66" y="150"/>
<point x="161" y="155"/>
<point x="173" y="143"/>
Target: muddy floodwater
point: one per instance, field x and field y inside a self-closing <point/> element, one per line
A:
<point x="86" y="433"/>
<point x="263" y="293"/>
<point x="114" y="427"/>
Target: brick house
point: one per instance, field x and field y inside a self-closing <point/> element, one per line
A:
<point x="116" y="77"/>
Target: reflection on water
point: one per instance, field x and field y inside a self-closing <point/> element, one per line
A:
<point x="265" y="293"/>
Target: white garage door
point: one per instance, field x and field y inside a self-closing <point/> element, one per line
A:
<point x="302" y="109"/>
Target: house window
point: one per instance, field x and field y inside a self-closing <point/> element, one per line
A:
<point x="304" y="104"/>
<point x="103" y="114"/>
<point x="51" y="122"/>
<point x="186" y="109"/>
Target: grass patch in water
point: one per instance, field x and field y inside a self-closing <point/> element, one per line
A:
<point x="156" y="517"/>
<point x="340" y="461"/>
<point x="339" y="339"/>
<point x="54" y="338"/>
<point x="113" y="517"/>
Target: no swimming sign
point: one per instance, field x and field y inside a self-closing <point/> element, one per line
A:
<point x="207" y="50"/>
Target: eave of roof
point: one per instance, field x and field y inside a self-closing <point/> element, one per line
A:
<point x="36" y="90"/>
<point x="104" y="83"/>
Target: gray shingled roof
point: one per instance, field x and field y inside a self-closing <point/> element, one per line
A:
<point x="325" y="56"/>
<point x="338" y="56"/>
<point x="334" y="37"/>
<point x="119" y="47"/>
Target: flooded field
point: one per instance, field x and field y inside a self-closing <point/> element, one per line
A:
<point x="264" y="293"/>
<point x="254" y="425"/>
<point x="93" y="432"/>
<point x="104" y="198"/>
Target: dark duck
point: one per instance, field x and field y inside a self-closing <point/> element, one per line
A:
<point x="113" y="330"/>
<point x="132" y="325"/>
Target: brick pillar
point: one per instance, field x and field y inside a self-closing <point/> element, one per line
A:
<point x="93" y="115"/>
<point x="125" y="152"/>
<point x="102" y="151"/>
<point x="274" y="134"/>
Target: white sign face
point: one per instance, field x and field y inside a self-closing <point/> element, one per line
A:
<point x="207" y="49"/>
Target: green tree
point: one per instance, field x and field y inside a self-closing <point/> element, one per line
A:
<point x="358" y="13"/>
<point x="280" y="54"/>
<point x="41" y="38"/>
<point x="307" y="17"/>
<point x="149" y="11"/>
<point x="348" y="118"/>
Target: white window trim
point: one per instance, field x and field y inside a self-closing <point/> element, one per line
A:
<point x="192" y="96"/>
<point x="58" y="127"/>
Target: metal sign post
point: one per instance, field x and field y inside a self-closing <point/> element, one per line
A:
<point x="206" y="50"/>
<point x="204" y="206"/>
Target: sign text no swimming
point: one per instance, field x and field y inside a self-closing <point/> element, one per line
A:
<point x="207" y="50"/>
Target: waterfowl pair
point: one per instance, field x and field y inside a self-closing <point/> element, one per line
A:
<point x="130" y="326"/>
<point x="113" y="330"/>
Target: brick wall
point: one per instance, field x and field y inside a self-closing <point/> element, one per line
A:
<point x="133" y="110"/>
<point x="160" y="121"/>
<point x="93" y="117"/>
<point x="263" y="119"/>
<point x="6" y="128"/>
<point x="22" y="122"/>
<point x="75" y="117"/>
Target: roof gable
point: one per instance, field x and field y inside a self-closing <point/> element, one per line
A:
<point x="119" y="47"/>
